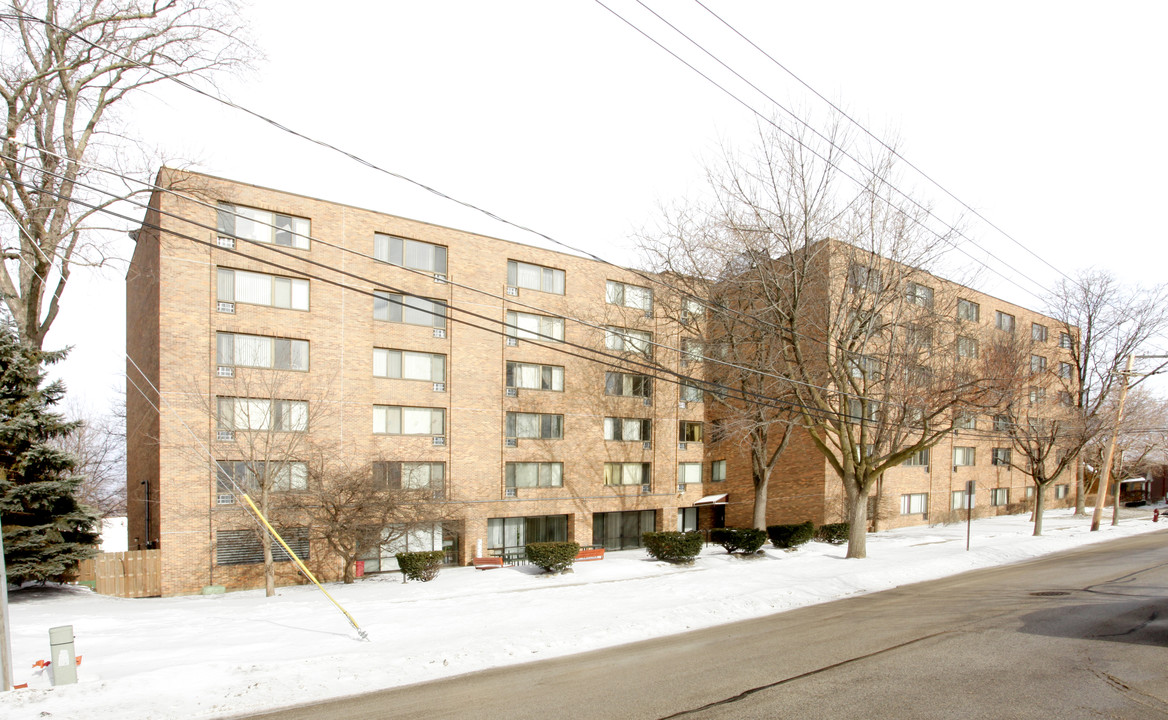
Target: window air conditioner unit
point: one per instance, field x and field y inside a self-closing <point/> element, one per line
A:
<point x="438" y="495"/>
<point x="224" y="499"/>
<point x="645" y="489"/>
<point x="225" y="307"/>
<point x="512" y="291"/>
<point x="440" y="387"/>
<point x="647" y="445"/>
<point x="439" y="277"/>
<point x="440" y="333"/>
<point x="648" y="402"/>
<point x="225" y="371"/>
<point x="682" y="446"/>
<point x="512" y="342"/>
<point x="648" y="313"/>
<point x="511" y="392"/>
<point x="226" y="242"/>
<point x="681" y="404"/>
<point x="509" y="492"/>
<point x="439" y="440"/>
<point x="681" y="487"/>
<point x="511" y="442"/>
<point x="225" y="435"/>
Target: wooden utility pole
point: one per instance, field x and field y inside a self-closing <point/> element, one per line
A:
<point x="1105" y="476"/>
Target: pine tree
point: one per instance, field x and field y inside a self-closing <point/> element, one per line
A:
<point x="46" y="530"/>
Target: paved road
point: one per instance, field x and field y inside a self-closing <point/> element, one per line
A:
<point x="1081" y="634"/>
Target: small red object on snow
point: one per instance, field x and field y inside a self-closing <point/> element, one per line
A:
<point x="1156" y="515"/>
<point x="20" y="686"/>
<point x="78" y="659"/>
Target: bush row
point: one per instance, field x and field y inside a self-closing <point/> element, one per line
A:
<point x="674" y="547"/>
<point x="792" y="536"/>
<point x="553" y="557"/>
<point x="743" y="541"/>
<point x="420" y="565"/>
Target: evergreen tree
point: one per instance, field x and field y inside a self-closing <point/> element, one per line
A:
<point x="46" y="530"/>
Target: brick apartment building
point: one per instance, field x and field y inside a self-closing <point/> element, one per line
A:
<point x="386" y="341"/>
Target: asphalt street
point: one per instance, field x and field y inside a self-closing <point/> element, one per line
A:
<point x="1080" y="634"/>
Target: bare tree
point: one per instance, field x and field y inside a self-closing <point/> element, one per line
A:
<point x="1103" y="322"/>
<point x="99" y="444"/>
<point x="1142" y="439"/>
<point x="65" y="68"/>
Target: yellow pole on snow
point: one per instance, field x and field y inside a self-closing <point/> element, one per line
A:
<point x="303" y="568"/>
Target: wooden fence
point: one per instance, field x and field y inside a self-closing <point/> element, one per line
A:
<point x="126" y="574"/>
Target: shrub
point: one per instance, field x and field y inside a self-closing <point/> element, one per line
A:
<point x="553" y="557"/>
<point x="834" y="533"/>
<point x="420" y="565"/>
<point x="674" y="547"/>
<point x="738" y="540"/>
<point x="791" y="536"/>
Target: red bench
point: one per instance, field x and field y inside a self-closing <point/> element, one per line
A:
<point x="590" y="554"/>
<point x="486" y="563"/>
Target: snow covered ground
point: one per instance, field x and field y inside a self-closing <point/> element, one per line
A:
<point x="199" y="657"/>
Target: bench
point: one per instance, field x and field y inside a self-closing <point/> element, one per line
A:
<point x="486" y="563"/>
<point x="590" y="554"/>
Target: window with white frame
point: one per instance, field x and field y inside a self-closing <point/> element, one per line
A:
<point x="857" y="413"/>
<point x="626" y="340"/>
<point x="627" y="384"/>
<point x="1037" y="395"/>
<point x="964" y="456"/>
<point x="1000" y="456"/>
<point x="534" y="474"/>
<point x="237" y="475"/>
<point x="407" y="309"/>
<point x="965" y="421"/>
<point x="918" y="294"/>
<point x="262" y="414"/>
<point x="1029" y="492"/>
<point x="631" y="473"/>
<point x="688" y="431"/>
<point x="999" y="496"/>
<point x="1001" y="423"/>
<point x="535" y="377"/>
<point x="1065" y="340"/>
<point x="914" y="504"/>
<point x="260" y="351"/>
<point x="690" y="392"/>
<point x="1004" y="321"/>
<point x="692" y="351"/>
<point x="864" y="367"/>
<point x="628" y="429"/>
<point x="252" y="288"/>
<point x="535" y="277"/>
<point x="1037" y="364"/>
<point x="1061" y="491"/>
<point x="633" y="296"/>
<point x="413" y="254"/>
<point x="395" y="475"/>
<point x="918" y="459"/>
<point x="542" y="426"/>
<point x="718" y="471"/>
<point x="408" y="365"/>
<point x="1065" y="370"/>
<point x="690" y="309"/>
<point x="528" y="326"/>
<point x="1038" y="332"/>
<point x="919" y="337"/>
<point x="689" y="473"/>
<point x="237" y="221"/>
<point x="962" y="501"/>
<point x="968" y="310"/>
<point x="966" y="347"/>
<point x="861" y="277"/>
<point x="399" y="420"/>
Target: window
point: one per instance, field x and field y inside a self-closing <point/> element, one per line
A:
<point x="260" y="351"/>
<point x="242" y="547"/>
<point x="535" y="474"/>
<point x="527" y="326"/>
<point x="623" y="530"/>
<point x="627" y="384"/>
<point x="535" y="425"/>
<point x="233" y="475"/>
<point x="966" y="347"/>
<point x="1029" y="492"/>
<point x="914" y="504"/>
<point x="918" y="459"/>
<point x="1065" y="370"/>
<point x="999" y="496"/>
<point x="408" y="365"/>
<point x="394" y="475"/>
<point x="1061" y="491"/>
<point x="1000" y="456"/>
<point x="1037" y="395"/>
<point x="535" y="377"/>
<point x="1065" y="340"/>
<point x="963" y="456"/>
<point x="1003" y="321"/>
<point x="414" y="254"/>
<point x="691" y="393"/>
<point x="862" y="366"/>
<point x="263" y="226"/>
<point x="1066" y="399"/>
<point x="626" y="473"/>
<point x="690" y="309"/>
<point x="509" y="536"/>
<point x="399" y="538"/>
<point x="535" y="277"/>
<point x="965" y="421"/>
<point x="718" y="471"/>
<point x="408" y="309"/>
<point x="1037" y="364"/>
<point x="864" y="278"/>
<point x="856" y="410"/>
<point x="1037" y="332"/>
<point x="397" y="420"/>
<point x="626" y="340"/>
<point x="633" y="296"/>
<point x="251" y="288"/>
<point x="918" y="294"/>
<point x="689" y="473"/>
<point x="256" y="414"/>
<point x="1002" y="423"/>
<point x="961" y="501"/>
<point x="692" y="351"/>
<point x="968" y="310"/>
<point x="627" y="429"/>
<point x="919" y="337"/>
<point x="687" y="519"/>
<point x="689" y="431"/>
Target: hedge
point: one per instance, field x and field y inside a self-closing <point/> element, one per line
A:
<point x="834" y="533"/>
<point x="738" y="540"/>
<point x="420" y="565"/>
<point x="674" y="547"/>
<point x="791" y="536"/>
<point x="553" y="557"/>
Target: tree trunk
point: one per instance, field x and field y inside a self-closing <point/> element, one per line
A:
<point x="266" y="543"/>
<point x="1081" y="489"/>
<point x="760" y="499"/>
<point x="858" y="517"/>
<point x="350" y="569"/>
<point x="1039" y="506"/>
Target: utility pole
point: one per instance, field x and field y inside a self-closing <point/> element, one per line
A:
<point x="5" y="634"/>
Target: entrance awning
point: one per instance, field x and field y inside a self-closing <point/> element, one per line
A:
<point x="1121" y="482"/>
<point x="713" y="500"/>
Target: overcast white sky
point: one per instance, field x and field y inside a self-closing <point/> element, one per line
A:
<point x="1047" y="118"/>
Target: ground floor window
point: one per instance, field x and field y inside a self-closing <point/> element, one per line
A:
<point x="622" y="530"/>
<point x="1030" y="492"/>
<point x="961" y="501"/>
<point x="687" y="519"/>
<point x="508" y="537"/>
<point x="999" y="496"/>
<point x="242" y="547"/>
<point x="407" y="538"/>
<point x="914" y="504"/>
<point x="1061" y="491"/>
